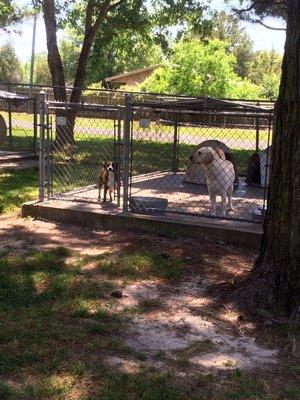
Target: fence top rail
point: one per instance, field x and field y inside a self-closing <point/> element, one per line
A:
<point x="133" y="93"/>
<point x="261" y="113"/>
<point x="59" y="105"/>
<point x="203" y="104"/>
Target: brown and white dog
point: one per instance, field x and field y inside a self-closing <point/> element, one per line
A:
<point x="220" y="176"/>
<point x="106" y="180"/>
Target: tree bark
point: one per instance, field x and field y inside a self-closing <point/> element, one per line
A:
<point x="65" y="133"/>
<point x="274" y="282"/>
<point x="54" y="59"/>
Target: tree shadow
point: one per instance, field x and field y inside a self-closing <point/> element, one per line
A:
<point x="59" y="319"/>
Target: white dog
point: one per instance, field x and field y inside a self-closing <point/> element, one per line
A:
<point x="219" y="174"/>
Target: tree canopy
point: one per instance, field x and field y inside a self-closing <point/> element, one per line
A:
<point x="10" y="65"/>
<point x="198" y="68"/>
<point x="10" y="13"/>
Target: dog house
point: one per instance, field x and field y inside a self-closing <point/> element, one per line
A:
<point x="258" y="170"/>
<point x="195" y="173"/>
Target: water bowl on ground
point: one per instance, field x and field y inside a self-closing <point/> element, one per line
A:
<point x="148" y="205"/>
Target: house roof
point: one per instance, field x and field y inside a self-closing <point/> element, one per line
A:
<point x="117" y="78"/>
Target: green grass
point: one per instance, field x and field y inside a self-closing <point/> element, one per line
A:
<point x="16" y="187"/>
<point x="22" y="140"/>
<point x="58" y="323"/>
<point x="18" y="119"/>
<point x="143" y="264"/>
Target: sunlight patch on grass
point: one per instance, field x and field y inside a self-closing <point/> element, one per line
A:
<point x="16" y="187"/>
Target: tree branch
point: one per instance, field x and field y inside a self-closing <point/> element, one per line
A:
<point x="117" y="4"/>
<point x="101" y="15"/>
<point x="89" y="14"/>
<point x="257" y="21"/>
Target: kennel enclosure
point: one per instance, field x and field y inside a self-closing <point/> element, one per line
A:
<point x="150" y="142"/>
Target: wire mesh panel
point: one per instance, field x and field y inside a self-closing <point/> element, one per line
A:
<point x="21" y="125"/>
<point x="81" y="141"/>
<point x="211" y="161"/>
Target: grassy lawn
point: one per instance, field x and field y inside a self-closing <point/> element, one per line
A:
<point x="59" y="324"/>
<point x="23" y="123"/>
<point x="16" y="187"/>
<point x="22" y="139"/>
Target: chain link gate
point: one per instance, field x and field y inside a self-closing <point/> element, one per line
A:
<point x="76" y="141"/>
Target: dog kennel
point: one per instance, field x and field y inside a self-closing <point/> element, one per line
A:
<point x="150" y="141"/>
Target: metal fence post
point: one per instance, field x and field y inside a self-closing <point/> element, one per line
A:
<point x="35" y="124"/>
<point x="42" y="97"/>
<point x="10" y="138"/>
<point x="175" y="145"/>
<point x="257" y="131"/>
<point x="127" y="123"/>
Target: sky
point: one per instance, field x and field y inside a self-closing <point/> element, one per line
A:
<point x="263" y="38"/>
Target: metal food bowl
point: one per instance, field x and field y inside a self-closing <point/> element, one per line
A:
<point x="148" y="205"/>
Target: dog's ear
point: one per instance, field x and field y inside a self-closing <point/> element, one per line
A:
<point x="209" y="157"/>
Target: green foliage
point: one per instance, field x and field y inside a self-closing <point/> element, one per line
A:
<point x="252" y="10"/>
<point x="124" y="51"/>
<point x="10" y="13"/>
<point x="201" y="70"/>
<point x="69" y="51"/>
<point x="41" y="74"/>
<point x="95" y="89"/>
<point x="195" y="69"/>
<point x="10" y="65"/>
<point x="245" y="89"/>
<point x="134" y="35"/>
<point x="270" y="86"/>
<point x="263" y="63"/>
<point x="227" y="28"/>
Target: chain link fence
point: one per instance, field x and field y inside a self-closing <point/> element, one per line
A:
<point x="186" y="154"/>
<point x="172" y="156"/>
<point x="79" y="141"/>
<point x="19" y="124"/>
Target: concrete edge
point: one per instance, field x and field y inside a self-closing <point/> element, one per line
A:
<point x="249" y="236"/>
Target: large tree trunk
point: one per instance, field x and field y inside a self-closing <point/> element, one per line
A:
<point x="274" y="282"/>
<point x="65" y="133"/>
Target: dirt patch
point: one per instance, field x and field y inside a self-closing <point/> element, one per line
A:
<point x="177" y="327"/>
